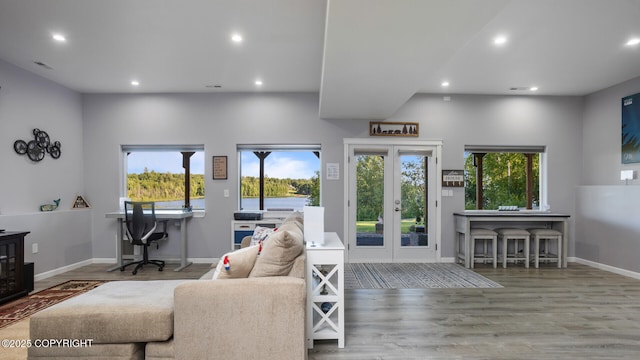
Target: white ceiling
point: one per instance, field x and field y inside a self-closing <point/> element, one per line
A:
<point x="365" y="57"/>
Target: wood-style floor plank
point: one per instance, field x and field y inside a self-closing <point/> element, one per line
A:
<point x="548" y="313"/>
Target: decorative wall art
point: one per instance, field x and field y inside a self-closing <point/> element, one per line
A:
<point x="631" y="129"/>
<point x="219" y="168"/>
<point x="37" y="148"/>
<point x="80" y="203"/>
<point x="377" y="128"/>
<point x="50" y="207"/>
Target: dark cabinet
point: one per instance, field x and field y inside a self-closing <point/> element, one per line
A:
<point x="12" y="265"/>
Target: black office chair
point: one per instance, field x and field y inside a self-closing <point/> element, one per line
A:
<point x="140" y="218"/>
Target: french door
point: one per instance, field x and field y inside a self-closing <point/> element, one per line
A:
<point x="392" y="203"/>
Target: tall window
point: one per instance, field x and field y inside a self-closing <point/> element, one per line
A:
<point x="497" y="177"/>
<point x="172" y="176"/>
<point x="279" y="176"/>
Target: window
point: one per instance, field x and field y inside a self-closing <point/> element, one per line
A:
<point x="496" y="177"/>
<point x="279" y="176"/>
<point x="172" y="176"/>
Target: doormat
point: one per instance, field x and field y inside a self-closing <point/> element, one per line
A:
<point x="413" y="276"/>
<point x="19" y="309"/>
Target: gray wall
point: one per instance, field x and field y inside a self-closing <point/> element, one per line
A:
<point x="28" y="101"/>
<point x="607" y="211"/>
<point x="221" y="121"/>
<point x="92" y="127"/>
<point x="502" y="120"/>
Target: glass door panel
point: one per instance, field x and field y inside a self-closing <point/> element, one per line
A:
<point x="370" y="200"/>
<point x="413" y="198"/>
<point x="391" y="198"/>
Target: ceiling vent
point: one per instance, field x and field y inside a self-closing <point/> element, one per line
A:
<point x="40" y="63"/>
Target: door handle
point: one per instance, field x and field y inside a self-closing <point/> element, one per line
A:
<point x="397" y="208"/>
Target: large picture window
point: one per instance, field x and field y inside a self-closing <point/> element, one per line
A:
<point x="498" y="177"/>
<point x="172" y="176"/>
<point x="279" y="176"/>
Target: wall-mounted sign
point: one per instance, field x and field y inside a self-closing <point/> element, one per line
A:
<point x="452" y="178"/>
<point x="219" y="168"/>
<point x="333" y="171"/>
<point x="80" y="203"/>
<point x="377" y="128"/>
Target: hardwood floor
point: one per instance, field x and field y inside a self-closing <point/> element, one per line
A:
<point x="548" y="313"/>
<point x="148" y="272"/>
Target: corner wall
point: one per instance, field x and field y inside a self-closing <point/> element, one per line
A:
<point x="28" y="101"/>
<point x="607" y="210"/>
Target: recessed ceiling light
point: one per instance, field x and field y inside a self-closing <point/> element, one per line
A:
<point x="59" y="37"/>
<point x="500" y="40"/>
<point x="633" y="42"/>
<point x="533" y="88"/>
<point x="445" y="84"/>
<point x="135" y="82"/>
<point x="236" y="38"/>
<point x="258" y="82"/>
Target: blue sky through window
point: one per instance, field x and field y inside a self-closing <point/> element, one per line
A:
<point x="163" y="162"/>
<point x="282" y="164"/>
<point x="279" y="164"/>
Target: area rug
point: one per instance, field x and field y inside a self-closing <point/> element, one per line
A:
<point x="413" y="276"/>
<point x="19" y="309"/>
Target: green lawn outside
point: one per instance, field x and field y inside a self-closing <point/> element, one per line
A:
<point x="370" y="226"/>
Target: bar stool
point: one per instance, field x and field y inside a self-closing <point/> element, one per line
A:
<point x="462" y="249"/>
<point x="484" y="235"/>
<point x="546" y="236"/>
<point x="514" y="235"/>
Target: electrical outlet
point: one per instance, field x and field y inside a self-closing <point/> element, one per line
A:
<point x="34" y="248"/>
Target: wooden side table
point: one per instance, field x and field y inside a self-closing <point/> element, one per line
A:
<point x="325" y="290"/>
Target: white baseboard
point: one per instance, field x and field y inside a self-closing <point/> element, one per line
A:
<point x="605" y="267"/>
<point x="64" y="269"/>
<point x="61" y="270"/>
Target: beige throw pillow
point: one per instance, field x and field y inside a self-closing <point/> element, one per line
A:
<point x="278" y="253"/>
<point x="240" y="263"/>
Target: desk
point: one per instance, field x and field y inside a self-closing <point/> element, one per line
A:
<point x="521" y="219"/>
<point x="160" y="215"/>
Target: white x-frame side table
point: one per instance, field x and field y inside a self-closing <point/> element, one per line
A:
<point x="325" y="290"/>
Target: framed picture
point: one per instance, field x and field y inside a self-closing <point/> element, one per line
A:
<point x="378" y="128"/>
<point x="219" y="168"/>
<point x="631" y="129"/>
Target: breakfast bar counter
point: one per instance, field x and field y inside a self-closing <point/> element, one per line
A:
<point x="492" y="219"/>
